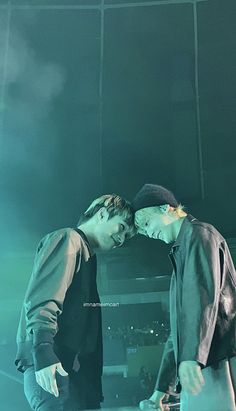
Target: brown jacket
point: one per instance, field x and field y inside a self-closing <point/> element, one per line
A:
<point x="202" y="301"/>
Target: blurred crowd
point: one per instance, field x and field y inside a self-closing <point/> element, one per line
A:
<point x="153" y="333"/>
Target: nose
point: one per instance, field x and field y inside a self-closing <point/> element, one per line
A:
<point x="121" y="238"/>
<point x="147" y="232"/>
<point x="141" y="230"/>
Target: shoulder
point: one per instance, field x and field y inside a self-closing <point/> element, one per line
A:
<point x="204" y="232"/>
<point x="64" y="237"/>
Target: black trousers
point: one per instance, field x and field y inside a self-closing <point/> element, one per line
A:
<point x="76" y="392"/>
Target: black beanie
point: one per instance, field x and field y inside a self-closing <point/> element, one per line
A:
<point x="152" y="195"/>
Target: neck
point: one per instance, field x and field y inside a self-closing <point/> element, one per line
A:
<point x="88" y="230"/>
<point x="178" y="223"/>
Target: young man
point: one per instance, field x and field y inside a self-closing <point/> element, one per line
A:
<point x="59" y="336"/>
<point x="201" y="350"/>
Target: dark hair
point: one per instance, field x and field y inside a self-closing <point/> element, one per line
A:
<point x="114" y="204"/>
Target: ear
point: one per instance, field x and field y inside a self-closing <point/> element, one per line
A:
<point x="103" y="214"/>
<point x="165" y="208"/>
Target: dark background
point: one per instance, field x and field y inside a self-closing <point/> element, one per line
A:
<point x="102" y="96"/>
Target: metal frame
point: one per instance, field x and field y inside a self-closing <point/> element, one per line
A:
<point x="102" y="7"/>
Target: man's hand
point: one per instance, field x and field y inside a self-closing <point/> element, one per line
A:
<point x="157" y="398"/>
<point x="191" y="377"/>
<point x="46" y="378"/>
<point x="154" y="402"/>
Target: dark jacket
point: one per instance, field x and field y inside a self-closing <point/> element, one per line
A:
<point x="202" y="301"/>
<point x="55" y="323"/>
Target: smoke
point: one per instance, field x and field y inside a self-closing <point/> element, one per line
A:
<point x="31" y="86"/>
<point x="38" y="82"/>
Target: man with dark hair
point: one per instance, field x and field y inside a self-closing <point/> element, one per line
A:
<point x="59" y="335"/>
<point x="201" y="350"/>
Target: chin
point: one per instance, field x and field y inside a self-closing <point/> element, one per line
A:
<point x="167" y="241"/>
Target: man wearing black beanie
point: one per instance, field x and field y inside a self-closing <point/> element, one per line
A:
<point x="200" y="355"/>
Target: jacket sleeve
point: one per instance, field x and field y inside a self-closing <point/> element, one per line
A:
<point x="167" y="372"/>
<point x="53" y="271"/>
<point x="201" y="284"/>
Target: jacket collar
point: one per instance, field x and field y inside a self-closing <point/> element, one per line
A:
<point x="84" y="237"/>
